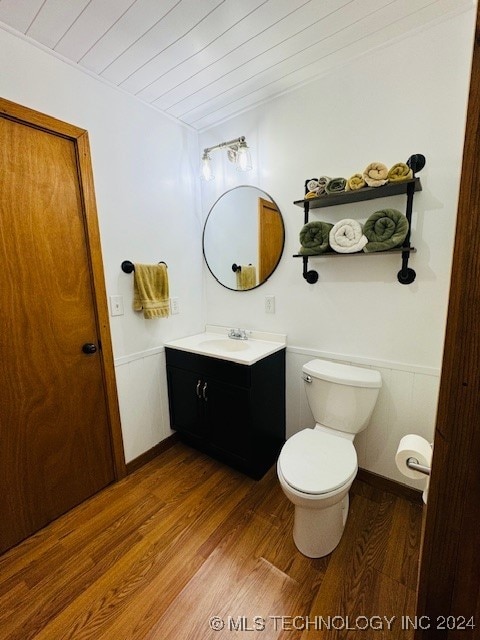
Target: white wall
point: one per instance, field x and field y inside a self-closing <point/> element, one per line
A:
<point x="409" y="97"/>
<point x="146" y="192"/>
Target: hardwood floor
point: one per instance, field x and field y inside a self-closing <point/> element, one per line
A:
<point x="184" y="538"/>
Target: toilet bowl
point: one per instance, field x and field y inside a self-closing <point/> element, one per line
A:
<point x="316" y="467"/>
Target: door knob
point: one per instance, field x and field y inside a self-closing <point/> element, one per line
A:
<point x="89" y="348"/>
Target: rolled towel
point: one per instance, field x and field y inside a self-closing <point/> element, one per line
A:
<point x="310" y="194"/>
<point x="376" y="174"/>
<point x="322" y="183"/>
<point x="314" y="238"/>
<point x="400" y="172"/>
<point x="385" y="229"/>
<point x="355" y="182"/>
<point x="335" y="185"/>
<point x="347" y="236"/>
<point x="312" y="185"/>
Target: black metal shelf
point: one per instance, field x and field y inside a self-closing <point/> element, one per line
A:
<point x="406" y="275"/>
<point x="333" y="254"/>
<point x="366" y="193"/>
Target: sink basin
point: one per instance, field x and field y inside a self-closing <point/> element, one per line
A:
<point x="215" y="343"/>
<point x="226" y="344"/>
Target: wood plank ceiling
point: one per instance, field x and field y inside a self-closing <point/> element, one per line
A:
<point x="203" y="61"/>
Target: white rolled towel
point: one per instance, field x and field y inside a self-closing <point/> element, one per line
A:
<point x="347" y="236"/>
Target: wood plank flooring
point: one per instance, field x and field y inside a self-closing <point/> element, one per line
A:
<point x="184" y="539"/>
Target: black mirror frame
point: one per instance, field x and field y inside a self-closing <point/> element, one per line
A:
<point x="280" y="252"/>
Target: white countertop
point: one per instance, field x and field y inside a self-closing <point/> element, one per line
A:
<point x="215" y="343"/>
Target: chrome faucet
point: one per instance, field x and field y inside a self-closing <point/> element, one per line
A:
<point x="238" y="334"/>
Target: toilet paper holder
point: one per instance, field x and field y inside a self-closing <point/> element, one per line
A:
<point x="412" y="463"/>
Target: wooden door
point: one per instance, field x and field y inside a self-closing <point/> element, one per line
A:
<point x="270" y="238"/>
<point x="59" y="428"/>
<point x="449" y="586"/>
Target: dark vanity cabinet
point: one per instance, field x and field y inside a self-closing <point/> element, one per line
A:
<point x="233" y="412"/>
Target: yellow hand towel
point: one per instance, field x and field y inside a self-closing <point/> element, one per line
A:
<point x="246" y="277"/>
<point x="150" y="290"/>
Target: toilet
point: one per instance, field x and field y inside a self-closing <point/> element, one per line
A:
<point x="316" y="467"/>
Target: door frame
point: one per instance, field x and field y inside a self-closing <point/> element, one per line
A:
<point x="79" y="138"/>
<point x="264" y="239"/>
<point x="449" y="579"/>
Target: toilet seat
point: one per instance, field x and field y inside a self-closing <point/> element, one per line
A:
<point x="316" y="463"/>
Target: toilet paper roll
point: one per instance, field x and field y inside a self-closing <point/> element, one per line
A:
<point x="413" y="446"/>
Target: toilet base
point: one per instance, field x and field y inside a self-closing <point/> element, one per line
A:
<point x="316" y="532"/>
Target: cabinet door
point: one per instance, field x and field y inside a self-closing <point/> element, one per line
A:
<point x="185" y="405"/>
<point x="227" y="411"/>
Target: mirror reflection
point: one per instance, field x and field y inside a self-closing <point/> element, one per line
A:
<point x="243" y="238"/>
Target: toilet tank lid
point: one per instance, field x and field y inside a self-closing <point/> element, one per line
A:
<point x="343" y="373"/>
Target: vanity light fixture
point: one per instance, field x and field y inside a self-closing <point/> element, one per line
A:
<point x="237" y="152"/>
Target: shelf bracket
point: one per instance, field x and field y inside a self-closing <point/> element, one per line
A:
<point x="310" y="276"/>
<point x="407" y="275"/>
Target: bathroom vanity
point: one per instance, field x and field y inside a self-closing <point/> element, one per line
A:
<point x="227" y="398"/>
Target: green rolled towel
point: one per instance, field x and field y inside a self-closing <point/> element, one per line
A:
<point x="314" y="238"/>
<point x="335" y="185"/>
<point x="385" y="229"/>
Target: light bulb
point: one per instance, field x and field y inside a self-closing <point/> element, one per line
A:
<point x="244" y="159"/>
<point x="207" y="171"/>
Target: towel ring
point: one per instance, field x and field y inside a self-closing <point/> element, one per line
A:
<point x="129" y="267"/>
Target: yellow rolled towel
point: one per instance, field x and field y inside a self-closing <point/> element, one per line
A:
<point x="311" y="194"/>
<point x="376" y="174"/>
<point x="355" y="182"/>
<point x="400" y="172"/>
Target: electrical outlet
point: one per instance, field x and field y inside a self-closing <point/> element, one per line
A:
<point x="269" y="304"/>
<point x="116" y="306"/>
<point x="174" y="306"/>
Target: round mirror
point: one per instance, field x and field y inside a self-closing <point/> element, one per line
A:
<point x="243" y="238"/>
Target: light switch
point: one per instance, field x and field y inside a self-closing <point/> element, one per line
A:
<point x="116" y="306"/>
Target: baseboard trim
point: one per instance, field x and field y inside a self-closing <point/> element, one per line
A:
<point x="373" y="479"/>
<point x="152" y="453"/>
<point x="391" y="486"/>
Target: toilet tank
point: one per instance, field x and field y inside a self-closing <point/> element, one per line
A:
<point x="341" y="396"/>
